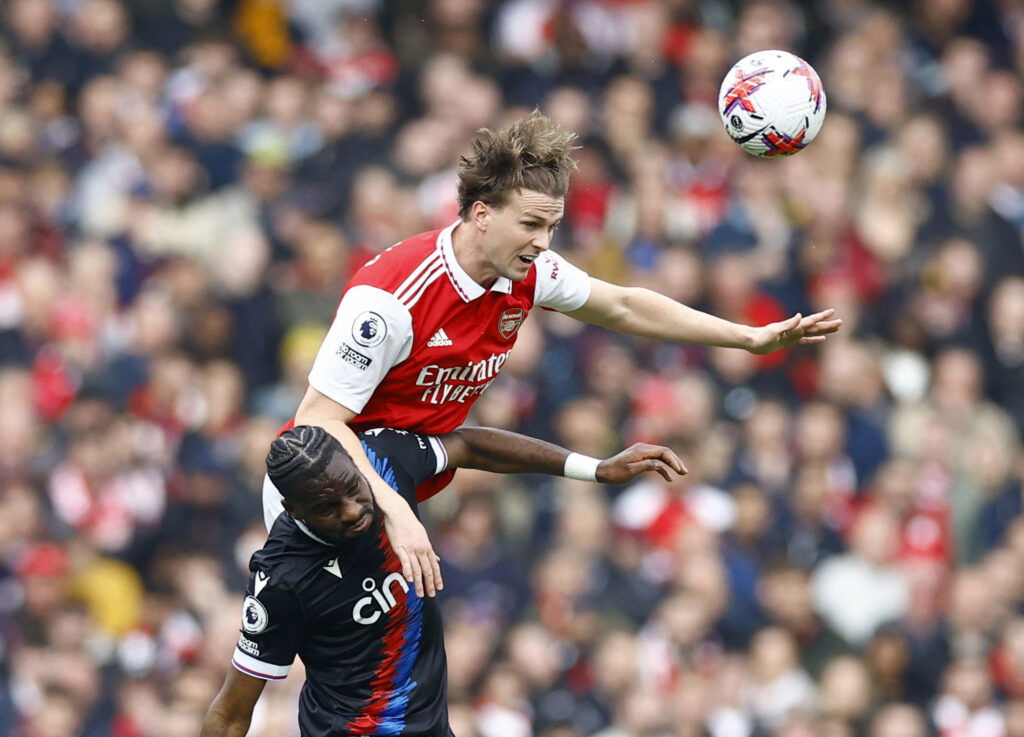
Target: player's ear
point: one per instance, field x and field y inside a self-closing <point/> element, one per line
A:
<point x="480" y="214"/>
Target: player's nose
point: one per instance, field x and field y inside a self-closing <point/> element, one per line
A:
<point x="351" y="511"/>
<point x="542" y="241"/>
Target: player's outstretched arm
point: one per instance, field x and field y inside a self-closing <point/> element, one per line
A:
<point x="501" y="451"/>
<point x="638" y="311"/>
<point x="407" y="535"/>
<point x="231" y="711"/>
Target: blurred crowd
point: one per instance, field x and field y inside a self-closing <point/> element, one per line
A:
<point x="186" y="186"/>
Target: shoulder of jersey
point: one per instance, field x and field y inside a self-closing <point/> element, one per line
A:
<point x="405" y="269"/>
<point x="287" y="550"/>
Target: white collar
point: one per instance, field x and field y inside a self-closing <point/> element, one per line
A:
<point x="464" y="284"/>
<point x="302" y="526"/>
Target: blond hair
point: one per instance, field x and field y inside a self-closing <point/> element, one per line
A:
<point x="533" y="153"/>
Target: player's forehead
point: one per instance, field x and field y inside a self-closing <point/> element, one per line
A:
<point x="338" y="478"/>
<point x="342" y="473"/>
<point x="530" y="202"/>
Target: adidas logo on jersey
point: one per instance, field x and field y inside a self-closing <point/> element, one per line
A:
<point x="440" y="338"/>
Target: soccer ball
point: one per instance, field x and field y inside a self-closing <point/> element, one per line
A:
<point x="772" y="103"/>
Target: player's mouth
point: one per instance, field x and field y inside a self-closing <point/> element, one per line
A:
<point x="528" y="259"/>
<point x="360" y="526"/>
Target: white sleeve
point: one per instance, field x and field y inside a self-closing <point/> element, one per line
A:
<point x="371" y="333"/>
<point x="440" y="454"/>
<point x="560" y="285"/>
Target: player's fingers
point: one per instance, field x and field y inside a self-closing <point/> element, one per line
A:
<point x="653" y="464"/>
<point x="673" y="461"/>
<point x="435" y="565"/>
<point x="403" y="558"/>
<point x="427" y="569"/>
<point x="809" y="339"/>
<point x="665" y="456"/>
<point x="791" y="324"/>
<point x="829" y="326"/>
<point x="417" y="575"/>
<point x="791" y="328"/>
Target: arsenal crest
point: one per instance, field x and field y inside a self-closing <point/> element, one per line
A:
<point x="509" y="322"/>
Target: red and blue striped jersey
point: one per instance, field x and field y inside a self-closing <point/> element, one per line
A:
<point x="373" y="650"/>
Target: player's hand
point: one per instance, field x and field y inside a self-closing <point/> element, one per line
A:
<point x="797" y="330"/>
<point x="638" y="459"/>
<point x="420" y="565"/>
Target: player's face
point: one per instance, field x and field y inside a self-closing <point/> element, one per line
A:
<point x="340" y="509"/>
<point x="520" y="231"/>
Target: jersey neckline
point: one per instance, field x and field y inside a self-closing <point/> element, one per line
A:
<point x="465" y="286"/>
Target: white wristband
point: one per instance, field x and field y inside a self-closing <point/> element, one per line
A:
<point x="581" y="467"/>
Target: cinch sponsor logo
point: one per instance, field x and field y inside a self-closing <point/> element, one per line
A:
<point x="380" y="601"/>
<point x="439" y="379"/>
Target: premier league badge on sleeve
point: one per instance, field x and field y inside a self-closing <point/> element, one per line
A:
<point x="369" y="329"/>
<point x="509" y="322"/>
<point x="254" y="616"/>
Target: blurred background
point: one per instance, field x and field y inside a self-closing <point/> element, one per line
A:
<point x="187" y="185"/>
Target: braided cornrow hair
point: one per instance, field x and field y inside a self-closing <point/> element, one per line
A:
<point x="299" y="455"/>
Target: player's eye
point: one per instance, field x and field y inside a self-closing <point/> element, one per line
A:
<point x="354" y="490"/>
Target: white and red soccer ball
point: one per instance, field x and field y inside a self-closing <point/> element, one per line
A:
<point x="772" y="103"/>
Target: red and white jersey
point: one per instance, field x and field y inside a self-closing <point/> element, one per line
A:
<point x="416" y="341"/>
